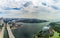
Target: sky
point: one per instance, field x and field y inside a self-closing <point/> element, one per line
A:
<point x="40" y="9"/>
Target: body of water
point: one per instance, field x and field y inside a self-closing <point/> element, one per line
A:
<point x="28" y="30"/>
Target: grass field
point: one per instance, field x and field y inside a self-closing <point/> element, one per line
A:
<point x="56" y="35"/>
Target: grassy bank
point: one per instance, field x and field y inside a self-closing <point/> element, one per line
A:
<point x="56" y="35"/>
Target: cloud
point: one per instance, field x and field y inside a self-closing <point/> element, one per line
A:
<point x="55" y="1"/>
<point x="12" y="8"/>
<point x="41" y="9"/>
<point x="44" y="4"/>
<point x="27" y="4"/>
<point x="55" y="7"/>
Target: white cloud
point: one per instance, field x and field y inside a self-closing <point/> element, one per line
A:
<point x="40" y="11"/>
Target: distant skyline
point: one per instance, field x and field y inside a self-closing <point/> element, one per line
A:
<point x="41" y="9"/>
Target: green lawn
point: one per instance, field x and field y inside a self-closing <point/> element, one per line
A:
<point x="56" y="35"/>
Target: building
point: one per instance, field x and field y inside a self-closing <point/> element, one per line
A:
<point x="1" y="21"/>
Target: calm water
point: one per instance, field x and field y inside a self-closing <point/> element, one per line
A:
<point x="28" y="30"/>
<point x="6" y="33"/>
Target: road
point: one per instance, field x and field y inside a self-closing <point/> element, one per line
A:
<point x="10" y="32"/>
<point x="2" y="32"/>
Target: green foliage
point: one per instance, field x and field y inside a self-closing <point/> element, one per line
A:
<point x="55" y="26"/>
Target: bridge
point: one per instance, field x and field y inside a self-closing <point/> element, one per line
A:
<point x="2" y="32"/>
<point x="10" y="34"/>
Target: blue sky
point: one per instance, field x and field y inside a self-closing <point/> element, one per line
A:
<point x="41" y="9"/>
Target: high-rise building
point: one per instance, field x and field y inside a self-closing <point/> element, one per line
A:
<point x="1" y="21"/>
